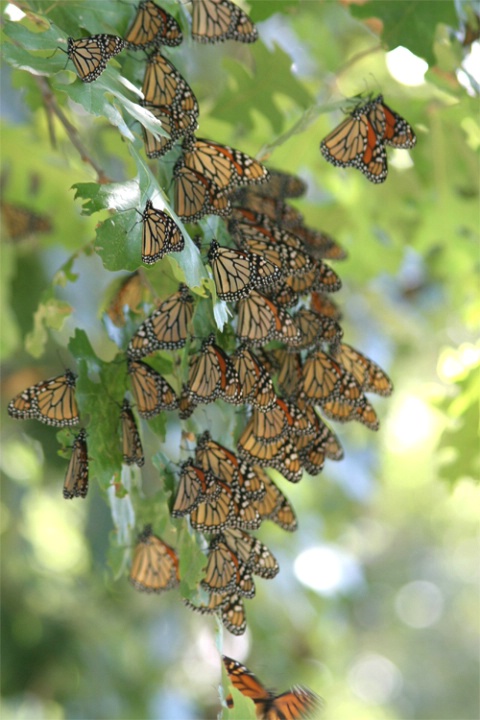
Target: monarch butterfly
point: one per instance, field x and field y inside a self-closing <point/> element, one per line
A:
<point x="169" y="97"/>
<point x="281" y="185"/>
<point x="219" y="20"/>
<point x="246" y="224"/>
<point x="152" y="392"/>
<point x="196" y="196"/>
<point x="272" y="426"/>
<point x="251" y="552"/>
<point x="318" y="244"/>
<point x="330" y="443"/>
<point x="195" y="486"/>
<point x="276" y="210"/>
<point x="280" y="455"/>
<point x="166" y="328"/>
<point x="132" y="445"/>
<point x="160" y="235"/>
<point x="316" y="329"/>
<point x="319" y="277"/>
<point x="91" y="54"/>
<point x="225" y="167"/>
<point x="51" y="402"/>
<point x="236" y="272"/>
<point x="152" y="26"/>
<point x="154" y="565"/>
<point x="336" y="390"/>
<point x="274" y="505"/>
<point x="295" y="704"/>
<point x="224" y="571"/>
<point x="157" y="146"/>
<point x="321" y="376"/>
<point x="211" y="375"/>
<point x="323" y="305"/>
<point x="359" y="141"/>
<point x="368" y="374"/>
<point x="343" y="410"/>
<point x="221" y="461"/>
<point x="214" y="513"/>
<point x="312" y="454"/>
<point x="76" y="478"/>
<point x="221" y="572"/>
<point x="255" y="382"/>
<point x="129" y="294"/>
<point x="259" y="320"/>
<point x="229" y="606"/>
<point x="289" y="370"/>
<point x="224" y="464"/>
<point x="20" y="222"/>
<point x="395" y="130"/>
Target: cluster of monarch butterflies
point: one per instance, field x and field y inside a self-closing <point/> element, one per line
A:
<point x="299" y="702"/>
<point x="287" y="367"/>
<point x="288" y="363"/>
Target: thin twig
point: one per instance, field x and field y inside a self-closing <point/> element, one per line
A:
<point x="71" y="130"/>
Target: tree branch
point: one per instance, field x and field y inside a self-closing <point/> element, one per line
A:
<point x="71" y="130"/>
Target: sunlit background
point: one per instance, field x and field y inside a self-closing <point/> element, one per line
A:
<point x="376" y="606"/>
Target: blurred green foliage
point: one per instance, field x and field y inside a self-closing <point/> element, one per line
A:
<point x="388" y="632"/>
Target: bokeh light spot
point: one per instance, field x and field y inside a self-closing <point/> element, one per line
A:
<point x="327" y="570"/>
<point x="375" y="679"/>
<point x="405" y="67"/>
<point x="419" y="604"/>
<point x="411" y="424"/>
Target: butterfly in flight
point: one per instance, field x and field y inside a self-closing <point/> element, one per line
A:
<point x="51" y="402"/>
<point x="76" y="478"/>
<point x="154" y="565"/>
<point x="295" y="704"/>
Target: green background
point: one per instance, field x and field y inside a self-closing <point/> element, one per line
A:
<point x="392" y="632"/>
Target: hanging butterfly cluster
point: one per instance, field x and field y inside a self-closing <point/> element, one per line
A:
<point x="288" y="368"/>
<point x="287" y="364"/>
